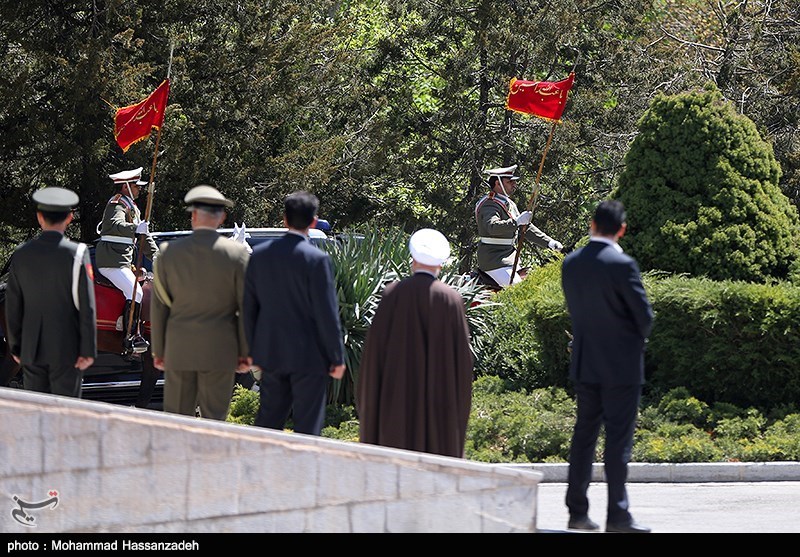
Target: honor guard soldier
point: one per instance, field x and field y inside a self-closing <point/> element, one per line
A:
<point x="498" y="219"/>
<point x="119" y="231"/>
<point x="50" y="306"/>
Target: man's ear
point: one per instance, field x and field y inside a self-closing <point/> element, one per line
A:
<point x="70" y="216"/>
<point x="314" y="222"/>
<point x="622" y="230"/>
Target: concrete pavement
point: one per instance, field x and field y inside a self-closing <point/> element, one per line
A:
<point x="687" y="498"/>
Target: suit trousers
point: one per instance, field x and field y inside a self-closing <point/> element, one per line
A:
<point x="301" y="393"/>
<point x="616" y="408"/>
<point x="62" y="380"/>
<point x="212" y="391"/>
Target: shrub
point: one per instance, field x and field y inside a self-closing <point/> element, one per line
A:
<point x="244" y="406"/>
<point x="701" y="190"/>
<point x="675" y="443"/>
<point x="514" y="426"/>
<point x="527" y="343"/>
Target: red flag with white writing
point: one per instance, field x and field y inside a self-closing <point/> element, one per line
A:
<point x="134" y="123"/>
<point x="545" y="99"/>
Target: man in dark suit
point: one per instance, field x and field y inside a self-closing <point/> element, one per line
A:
<point x="611" y="320"/>
<point x="50" y="306"/>
<point x="291" y="318"/>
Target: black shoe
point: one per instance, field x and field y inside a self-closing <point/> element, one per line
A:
<point x="629" y="528"/>
<point x="581" y="523"/>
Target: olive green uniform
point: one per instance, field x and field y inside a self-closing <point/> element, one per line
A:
<point x="118" y="234"/>
<point x="196" y="321"/>
<point x="496" y="217"/>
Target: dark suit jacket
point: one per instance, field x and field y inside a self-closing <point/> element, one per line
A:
<point x="44" y="327"/>
<point x="611" y="315"/>
<point x="291" y="312"/>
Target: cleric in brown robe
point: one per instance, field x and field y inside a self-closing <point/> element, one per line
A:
<point x="415" y="380"/>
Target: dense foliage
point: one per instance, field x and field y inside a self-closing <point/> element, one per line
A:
<point x="726" y="341"/>
<point x="701" y="190"/>
<point x="387" y="110"/>
<point x="536" y="426"/>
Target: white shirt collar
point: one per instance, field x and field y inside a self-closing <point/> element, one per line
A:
<point x="296" y="233"/>
<point x="608" y="241"/>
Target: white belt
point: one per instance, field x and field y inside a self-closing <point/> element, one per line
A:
<point x="117" y="239"/>
<point x="497" y="241"/>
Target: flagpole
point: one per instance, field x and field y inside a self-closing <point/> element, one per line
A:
<point x="531" y="204"/>
<point x="149" y="208"/>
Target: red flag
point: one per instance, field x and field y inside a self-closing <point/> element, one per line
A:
<point x="134" y="123"/>
<point x="545" y="99"/>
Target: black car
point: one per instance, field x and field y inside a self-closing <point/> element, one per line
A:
<point x="116" y="379"/>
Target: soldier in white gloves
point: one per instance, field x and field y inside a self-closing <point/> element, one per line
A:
<point x="119" y="231"/>
<point x="498" y="220"/>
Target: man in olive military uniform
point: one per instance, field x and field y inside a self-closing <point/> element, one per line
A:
<point x="119" y="231"/>
<point x="196" y="313"/>
<point x="498" y="219"/>
<point x="50" y="308"/>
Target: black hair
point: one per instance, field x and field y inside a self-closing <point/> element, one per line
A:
<point x="208" y="208"/>
<point x="609" y="217"/>
<point x="492" y="181"/>
<point x="54" y="217"/>
<point x="300" y="208"/>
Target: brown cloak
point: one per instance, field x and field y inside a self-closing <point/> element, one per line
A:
<point x="415" y="379"/>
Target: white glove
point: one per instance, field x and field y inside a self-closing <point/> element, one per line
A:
<point x="143" y="227"/>
<point x="524" y="218"/>
<point x="555" y="244"/>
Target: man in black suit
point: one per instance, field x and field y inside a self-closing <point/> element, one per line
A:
<point x="291" y="318"/>
<point x="611" y="320"/>
<point x="50" y="305"/>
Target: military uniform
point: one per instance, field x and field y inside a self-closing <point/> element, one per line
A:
<point x="115" y="250"/>
<point x="50" y="305"/>
<point x="196" y="315"/>
<point x="496" y="217"/>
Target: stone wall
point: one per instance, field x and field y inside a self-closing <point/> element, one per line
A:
<point x="95" y="467"/>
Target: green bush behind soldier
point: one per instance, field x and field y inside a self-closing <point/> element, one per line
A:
<point x="50" y="306"/>
<point x="197" y="328"/>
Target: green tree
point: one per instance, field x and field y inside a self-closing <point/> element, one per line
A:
<point x="701" y="189"/>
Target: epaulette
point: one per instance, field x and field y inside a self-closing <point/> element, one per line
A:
<point x="123" y="200"/>
<point x="490" y="197"/>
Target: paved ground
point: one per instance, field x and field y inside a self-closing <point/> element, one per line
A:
<point x="684" y="507"/>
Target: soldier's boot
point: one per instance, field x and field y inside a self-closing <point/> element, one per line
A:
<point x="127" y="347"/>
<point x="138" y="344"/>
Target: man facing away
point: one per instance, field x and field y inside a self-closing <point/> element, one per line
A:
<point x="196" y="312"/>
<point x="292" y="322"/>
<point x="498" y="220"/>
<point x="611" y="320"/>
<point x="50" y="306"/>
<point x="415" y="380"/>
